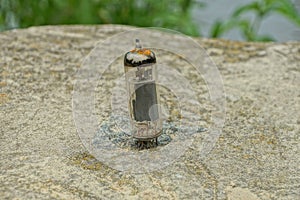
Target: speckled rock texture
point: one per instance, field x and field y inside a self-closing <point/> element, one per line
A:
<point x="42" y="157"/>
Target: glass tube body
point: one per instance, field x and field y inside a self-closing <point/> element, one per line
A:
<point x="143" y="97"/>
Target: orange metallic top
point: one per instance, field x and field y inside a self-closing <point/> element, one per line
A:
<point x="145" y="52"/>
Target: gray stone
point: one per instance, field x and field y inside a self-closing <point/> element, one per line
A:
<point x="42" y="156"/>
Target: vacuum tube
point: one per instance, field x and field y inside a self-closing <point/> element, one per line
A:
<point x="140" y="73"/>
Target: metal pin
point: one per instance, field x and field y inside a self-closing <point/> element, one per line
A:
<point x="138" y="44"/>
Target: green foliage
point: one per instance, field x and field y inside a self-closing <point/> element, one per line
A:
<point x="261" y="9"/>
<point x="173" y="14"/>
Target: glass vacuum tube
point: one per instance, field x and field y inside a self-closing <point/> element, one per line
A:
<point x="140" y="72"/>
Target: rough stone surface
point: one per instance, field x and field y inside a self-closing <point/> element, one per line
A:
<point x="42" y="157"/>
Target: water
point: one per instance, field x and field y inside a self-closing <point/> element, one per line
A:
<point x="274" y="25"/>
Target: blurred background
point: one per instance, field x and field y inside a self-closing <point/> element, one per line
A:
<point x="246" y="20"/>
